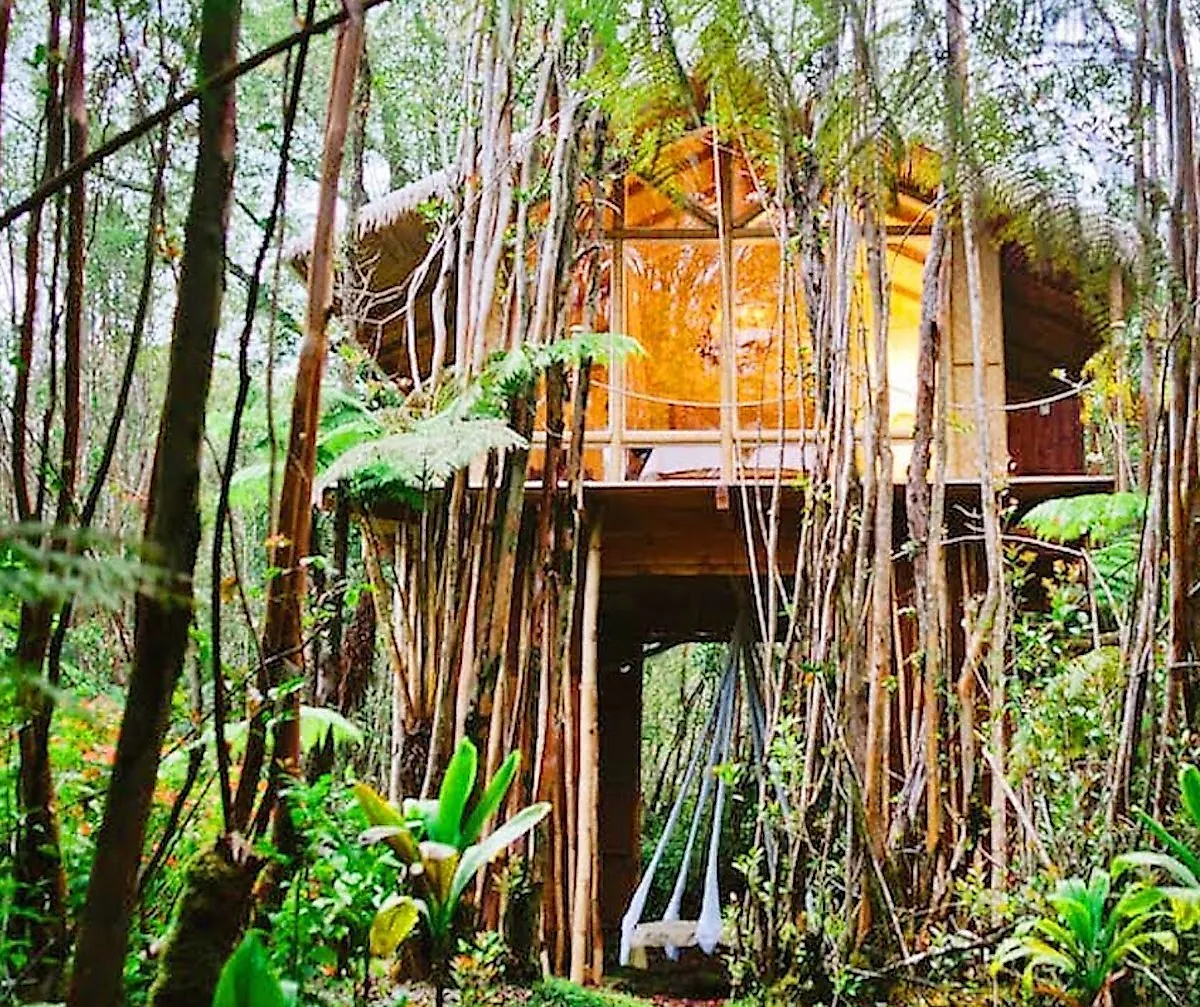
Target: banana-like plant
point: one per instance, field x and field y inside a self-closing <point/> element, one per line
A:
<point x="1089" y="945"/>
<point x="443" y="845"/>
<point x="1181" y="862"/>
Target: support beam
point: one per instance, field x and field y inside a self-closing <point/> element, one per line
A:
<point x="589" y="775"/>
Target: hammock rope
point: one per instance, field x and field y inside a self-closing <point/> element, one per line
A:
<point x="742" y="664"/>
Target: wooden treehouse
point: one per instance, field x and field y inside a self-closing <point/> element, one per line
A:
<point x="719" y="401"/>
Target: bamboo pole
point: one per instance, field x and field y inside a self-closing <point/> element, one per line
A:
<point x="589" y="769"/>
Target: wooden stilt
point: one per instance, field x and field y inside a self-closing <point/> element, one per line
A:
<point x="588" y="761"/>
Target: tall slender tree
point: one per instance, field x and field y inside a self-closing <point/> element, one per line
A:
<point x="172" y="531"/>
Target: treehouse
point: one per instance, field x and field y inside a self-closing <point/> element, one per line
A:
<point x="721" y="399"/>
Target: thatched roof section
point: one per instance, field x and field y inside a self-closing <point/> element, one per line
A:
<point x="392" y="238"/>
<point x="399" y="209"/>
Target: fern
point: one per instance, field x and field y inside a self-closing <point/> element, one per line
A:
<point x="398" y="452"/>
<point x="1101" y="518"/>
<point x="419" y="459"/>
<point x="55" y="565"/>
<point x="1110" y="523"/>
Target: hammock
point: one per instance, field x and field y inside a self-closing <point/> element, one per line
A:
<point x="669" y="932"/>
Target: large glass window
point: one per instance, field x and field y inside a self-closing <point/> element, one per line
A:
<point x="772" y="361"/>
<point x="673" y="308"/>
<point x="669" y="422"/>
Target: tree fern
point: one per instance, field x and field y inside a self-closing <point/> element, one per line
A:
<point x="419" y="459"/>
<point x="1101" y="518"/>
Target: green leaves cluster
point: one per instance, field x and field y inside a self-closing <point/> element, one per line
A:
<point x="380" y="447"/>
<point x="1181" y="862"/>
<point x="1089" y="940"/>
<point x="43" y="564"/>
<point x="440" y="843"/>
<point x="1110" y="526"/>
<point x="1102" y="518"/>
<point x="1095" y="938"/>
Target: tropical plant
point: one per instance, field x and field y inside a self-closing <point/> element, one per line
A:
<point x="1088" y="944"/>
<point x="439" y="841"/>
<point x="1110" y="524"/>
<point x="247" y="980"/>
<point x="1181" y="863"/>
<point x="40" y="563"/>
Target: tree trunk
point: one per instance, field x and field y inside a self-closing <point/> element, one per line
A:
<point x="171" y="534"/>
<point x="214" y="907"/>
<point x="282" y="631"/>
<point x="41" y="892"/>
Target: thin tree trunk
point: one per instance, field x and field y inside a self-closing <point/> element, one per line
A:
<point x="282" y="631"/>
<point x="171" y="534"/>
<point x="589" y="768"/>
<point x="42" y="885"/>
<point x="988" y="634"/>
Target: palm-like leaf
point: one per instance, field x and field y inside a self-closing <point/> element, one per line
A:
<point x="1181" y="863"/>
<point x="489" y="803"/>
<point x="476" y="857"/>
<point x="1089" y="941"/>
<point x="457" y="785"/>
<point x="440" y="844"/>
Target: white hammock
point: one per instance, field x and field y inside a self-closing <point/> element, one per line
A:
<point x="706" y="932"/>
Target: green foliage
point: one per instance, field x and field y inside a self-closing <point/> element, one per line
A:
<point x="418" y="459"/>
<point x="379" y="446"/>
<point x="321" y="926"/>
<point x="514" y="371"/>
<point x="561" y="993"/>
<point x="316" y="724"/>
<point x="39" y="563"/>
<point x="1109" y="524"/>
<point x="247" y="980"/>
<point x="1089" y="942"/>
<point x="1099" y="517"/>
<point x="438" y="845"/>
<point x="478" y="971"/>
<point x="1181" y="862"/>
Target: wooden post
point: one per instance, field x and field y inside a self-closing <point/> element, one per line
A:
<point x="589" y="773"/>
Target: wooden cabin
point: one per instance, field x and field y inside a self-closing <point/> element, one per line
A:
<point x="671" y="433"/>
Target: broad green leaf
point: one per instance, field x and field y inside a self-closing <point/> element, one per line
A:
<point x="319" y="722"/>
<point x="475" y="857"/>
<point x="1189" y="791"/>
<point x="380" y="813"/>
<point x="421" y="812"/>
<point x="491" y="799"/>
<point x="1181" y="851"/>
<point x="247" y="979"/>
<point x="393" y="924"/>
<point x="316" y="722"/>
<point x="457" y="786"/>
<point x="1138" y="902"/>
<point x="1151" y="860"/>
